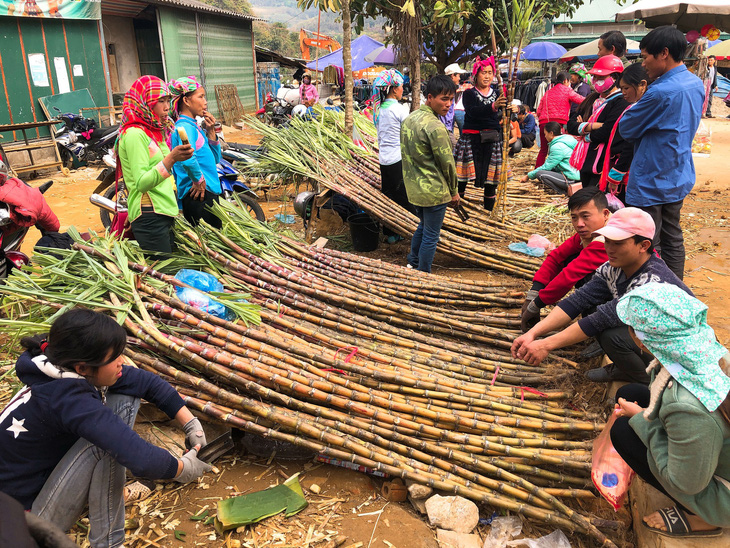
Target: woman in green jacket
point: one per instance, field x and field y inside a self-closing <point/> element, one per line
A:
<point x="675" y="433"/>
<point x="556" y="172"/>
<point x="146" y="163"/>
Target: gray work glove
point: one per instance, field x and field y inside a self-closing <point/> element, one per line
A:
<point x="193" y="467"/>
<point x="530" y="311"/>
<point x="194" y="434"/>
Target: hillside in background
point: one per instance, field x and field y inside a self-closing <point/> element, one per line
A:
<point x="283" y="19"/>
<point x="241" y="6"/>
<point x="287" y="12"/>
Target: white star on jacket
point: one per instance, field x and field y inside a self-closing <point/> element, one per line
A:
<point x="17" y="427"/>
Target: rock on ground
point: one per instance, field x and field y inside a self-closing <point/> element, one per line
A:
<point x="452" y="513"/>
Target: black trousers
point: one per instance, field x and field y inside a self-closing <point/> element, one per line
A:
<point x="623" y="352"/>
<point x="393" y="187"/>
<point x="588" y="178"/>
<point x="194" y="210"/>
<point x="154" y="232"/>
<point x="528" y="140"/>
<point x="629" y="445"/>
<point x="668" y="238"/>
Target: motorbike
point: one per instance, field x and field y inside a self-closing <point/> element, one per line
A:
<point x="81" y="143"/>
<point x="11" y="239"/>
<point x="109" y="197"/>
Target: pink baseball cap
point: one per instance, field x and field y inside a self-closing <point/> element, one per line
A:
<point x="628" y="222"/>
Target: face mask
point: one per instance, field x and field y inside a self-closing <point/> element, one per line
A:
<point x="603" y="85"/>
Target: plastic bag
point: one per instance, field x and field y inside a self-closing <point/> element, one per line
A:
<point x="556" y="539"/>
<point x="614" y="203"/>
<point x="195" y="297"/>
<point x="540" y="241"/>
<point x="702" y="142"/>
<point x="609" y="472"/>
<point x="503" y="529"/>
<point x="522" y="247"/>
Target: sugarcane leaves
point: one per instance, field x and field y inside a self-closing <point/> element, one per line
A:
<point x="451" y="14"/>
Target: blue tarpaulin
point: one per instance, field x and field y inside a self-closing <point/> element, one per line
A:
<point x="361" y="46"/>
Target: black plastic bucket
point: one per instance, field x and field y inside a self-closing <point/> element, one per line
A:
<point x="364" y="231"/>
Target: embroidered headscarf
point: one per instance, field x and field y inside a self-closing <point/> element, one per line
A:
<point x="180" y="87"/>
<point x="673" y="327"/>
<point x="137" y="108"/>
<point x="479" y="64"/>
<point x="386" y="80"/>
<point x="579" y="69"/>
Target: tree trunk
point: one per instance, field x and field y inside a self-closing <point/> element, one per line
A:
<point x="414" y="51"/>
<point x="347" y="60"/>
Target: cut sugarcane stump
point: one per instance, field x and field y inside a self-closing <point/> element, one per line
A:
<point x="645" y="500"/>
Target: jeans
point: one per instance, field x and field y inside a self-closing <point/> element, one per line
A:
<point x="624" y="354"/>
<point x="668" y="238"/>
<point x="556" y="181"/>
<point x="426" y="237"/>
<point x="87" y="474"/>
<point x="515" y="148"/>
<point x="459" y="119"/>
<point x="629" y="445"/>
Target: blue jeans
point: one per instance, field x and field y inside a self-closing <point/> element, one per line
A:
<point x="87" y="474"/>
<point x="459" y="119"/>
<point x="426" y="237"/>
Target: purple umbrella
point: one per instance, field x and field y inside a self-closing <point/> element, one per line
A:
<point x="543" y="51"/>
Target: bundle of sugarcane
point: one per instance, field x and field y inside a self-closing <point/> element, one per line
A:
<point x="396" y="406"/>
<point x="330" y="158"/>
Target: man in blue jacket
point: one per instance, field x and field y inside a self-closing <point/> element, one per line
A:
<point x="662" y="125"/>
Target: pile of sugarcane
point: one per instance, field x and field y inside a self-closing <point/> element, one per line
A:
<point x="319" y="150"/>
<point x="405" y="373"/>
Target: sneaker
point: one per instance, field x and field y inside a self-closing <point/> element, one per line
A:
<point x="409" y="265"/>
<point x="606" y="374"/>
<point x="592" y="350"/>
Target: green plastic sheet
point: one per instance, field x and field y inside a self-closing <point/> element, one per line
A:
<point x="254" y="507"/>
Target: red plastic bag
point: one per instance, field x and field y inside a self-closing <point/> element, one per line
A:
<point x="609" y="472"/>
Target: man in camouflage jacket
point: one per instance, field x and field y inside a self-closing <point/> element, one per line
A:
<point x="429" y="171"/>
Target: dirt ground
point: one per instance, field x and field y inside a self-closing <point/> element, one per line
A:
<point x="349" y="502"/>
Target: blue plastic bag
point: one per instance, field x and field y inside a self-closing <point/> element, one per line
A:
<point x="286" y="219"/>
<point x="202" y="281"/>
<point x="522" y="247"/>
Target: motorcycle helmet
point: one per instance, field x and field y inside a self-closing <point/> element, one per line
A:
<point x="607" y="65"/>
<point x="299" y="110"/>
<point x="303" y="204"/>
<point x="3" y="172"/>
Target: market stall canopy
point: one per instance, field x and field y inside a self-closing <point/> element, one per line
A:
<point x="721" y="50"/>
<point x="543" y="51"/>
<point x="384" y="55"/>
<point x="590" y="50"/>
<point x="687" y="15"/>
<point x="361" y="47"/>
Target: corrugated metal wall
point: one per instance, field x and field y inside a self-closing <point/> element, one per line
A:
<point x="227" y="53"/>
<point x="76" y="41"/>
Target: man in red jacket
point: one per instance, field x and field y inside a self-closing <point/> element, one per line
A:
<point x="572" y="263"/>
